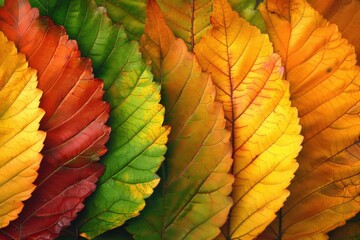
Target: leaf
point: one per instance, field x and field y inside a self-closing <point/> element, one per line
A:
<point x="345" y="14"/>
<point x="130" y="13"/>
<point x="265" y="129"/>
<point x="20" y="140"/>
<point x="74" y="122"/>
<point x="188" y="20"/>
<point x="324" y="85"/>
<point x="192" y="200"/>
<point x="248" y="10"/>
<point x="350" y="231"/>
<point x="137" y="142"/>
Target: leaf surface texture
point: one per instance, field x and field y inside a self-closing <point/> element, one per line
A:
<point x="265" y="129"/>
<point x="20" y="139"/>
<point x="324" y="86"/>
<point x="192" y="199"/>
<point x="74" y="121"/>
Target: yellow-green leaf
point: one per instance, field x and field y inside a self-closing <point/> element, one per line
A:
<point x="325" y="87"/>
<point x="192" y="200"/>
<point x="265" y="129"/>
<point x="20" y="140"/>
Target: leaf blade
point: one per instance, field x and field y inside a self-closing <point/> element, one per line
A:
<point x="248" y="77"/>
<point x="320" y="67"/>
<point x="20" y="140"/>
<point x="345" y="14"/>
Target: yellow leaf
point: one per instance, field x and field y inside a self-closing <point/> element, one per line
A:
<point x="324" y="86"/>
<point x="20" y="140"/>
<point x="345" y="14"/>
<point x="265" y="129"/>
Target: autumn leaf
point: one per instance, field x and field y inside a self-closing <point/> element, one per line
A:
<point x="20" y="140"/>
<point x="137" y="142"/>
<point x="324" y="86"/>
<point x="191" y="201"/>
<point x="345" y="14"/>
<point x="265" y="129"/>
<point x="74" y="122"/>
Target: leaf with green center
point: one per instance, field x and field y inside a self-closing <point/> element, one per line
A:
<point x="20" y="140"/>
<point x="137" y="141"/>
<point x="192" y="200"/>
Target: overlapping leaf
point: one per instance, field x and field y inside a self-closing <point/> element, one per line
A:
<point x="192" y="200"/>
<point x="130" y="13"/>
<point x="324" y="85"/>
<point x="248" y="10"/>
<point x="20" y="140"/>
<point x="265" y="129"/>
<point x="74" y="122"/>
<point x="345" y="14"/>
<point x="137" y="142"/>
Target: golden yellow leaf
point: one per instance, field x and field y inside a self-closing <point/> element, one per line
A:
<point x="324" y="86"/>
<point x="265" y="129"/>
<point x="345" y="14"/>
<point x="20" y="140"/>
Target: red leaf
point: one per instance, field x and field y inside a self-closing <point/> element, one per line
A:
<point x="74" y="121"/>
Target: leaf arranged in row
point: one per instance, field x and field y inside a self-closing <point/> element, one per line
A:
<point x="188" y="20"/>
<point x="265" y="128"/>
<point x="74" y="121"/>
<point x="324" y="86"/>
<point x="137" y="141"/>
<point x="192" y="200"/>
<point x="20" y="140"/>
<point x="345" y="14"/>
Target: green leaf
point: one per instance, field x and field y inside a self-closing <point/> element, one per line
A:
<point x="130" y="13"/>
<point x="248" y="10"/>
<point x="137" y="141"/>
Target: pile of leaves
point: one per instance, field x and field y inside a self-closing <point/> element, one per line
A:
<point x="179" y="119"/>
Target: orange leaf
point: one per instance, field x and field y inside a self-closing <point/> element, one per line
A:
<point x="345" y="14"/>
<point x="324" y="85"/>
